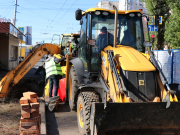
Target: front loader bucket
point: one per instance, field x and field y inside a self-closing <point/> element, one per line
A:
<point x="135" y="118"/>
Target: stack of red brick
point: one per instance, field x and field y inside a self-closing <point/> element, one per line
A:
<point x="30" y="122"/>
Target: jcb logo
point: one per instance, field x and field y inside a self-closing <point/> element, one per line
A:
<point x="141" y="82"/>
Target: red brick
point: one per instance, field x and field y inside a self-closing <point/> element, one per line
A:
<point x="36" y="119"/>
<point x="25" y="111"/>
<point x="25" y="115"/>
<point x="23" y="100"/>
<point x="30" y="132"/>
<point x="26" y="124"/>
<point x="34" y="105"/>
<point x="35" y="114"/>
<point x="32" y="100"/>
<point x="27" y="128"/>
<point x="25" y="106"/>
<point x="35" y="110"/>
<point x="30" y="95"/>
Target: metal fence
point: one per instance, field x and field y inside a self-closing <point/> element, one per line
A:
<point x="169" y="61"/>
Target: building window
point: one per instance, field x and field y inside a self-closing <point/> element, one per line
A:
<point x="14" y="53"/>
<point x="135" y="4"/>
<point x="140" y="4"/>
<point x="131" y="0"/>
<point x="140" y="1"/>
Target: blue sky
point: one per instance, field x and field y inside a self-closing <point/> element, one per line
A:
<point x="47" y="17"/>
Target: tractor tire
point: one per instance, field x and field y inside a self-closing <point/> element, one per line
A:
<point x="72" y="88"/>
<point x="84" y="102"/>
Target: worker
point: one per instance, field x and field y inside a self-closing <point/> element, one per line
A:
<point x="102" y="39"/>
<point x="74" y="45"/>
<point x="53" y="73"/>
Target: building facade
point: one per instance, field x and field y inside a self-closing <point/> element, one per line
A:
<point x="10" y="37"/>
<point x="108" y="4"/>
<point x="123" y="5"/>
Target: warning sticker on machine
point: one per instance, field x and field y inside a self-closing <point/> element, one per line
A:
<point x="104" y="61"/>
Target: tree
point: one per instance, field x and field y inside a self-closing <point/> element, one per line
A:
<point x="172" y="33"/>
<point x="160" y="7"/>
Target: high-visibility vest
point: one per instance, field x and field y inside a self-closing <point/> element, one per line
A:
<point x="52" y="68"/>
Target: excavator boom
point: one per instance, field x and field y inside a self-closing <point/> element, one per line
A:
<point x="14" y="76"/>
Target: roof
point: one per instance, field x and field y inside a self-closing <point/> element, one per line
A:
<point x="71" y="34"/>
<point x="111" y="11"/>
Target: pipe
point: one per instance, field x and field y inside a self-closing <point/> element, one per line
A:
<point x="115" y="26"/>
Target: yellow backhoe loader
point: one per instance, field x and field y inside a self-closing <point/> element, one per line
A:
<point x="115" y="86"/>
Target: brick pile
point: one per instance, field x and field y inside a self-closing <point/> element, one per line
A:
<point x="30" y="122"/>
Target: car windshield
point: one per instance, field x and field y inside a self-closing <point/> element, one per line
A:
<point x="129" y="33"/>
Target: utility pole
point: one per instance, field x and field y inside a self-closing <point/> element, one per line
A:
<point x="126" y="4"/>
<point x="15" y="12"/>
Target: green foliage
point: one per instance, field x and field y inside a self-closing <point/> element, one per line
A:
<point x="160" y="7"/>
<point x="172" y="34"/>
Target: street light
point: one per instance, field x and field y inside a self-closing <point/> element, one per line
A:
<point x="56" y="35"/>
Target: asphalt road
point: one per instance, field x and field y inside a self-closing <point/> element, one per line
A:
<point x="62" y="122"/>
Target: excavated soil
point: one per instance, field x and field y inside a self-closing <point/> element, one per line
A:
<point x="27" y="84"/>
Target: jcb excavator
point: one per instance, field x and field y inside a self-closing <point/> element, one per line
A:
<point x="116" y="87"/>
<point x="14" y="76"/>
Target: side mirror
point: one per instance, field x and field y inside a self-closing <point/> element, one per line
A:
<point x="78" y="14"/>
<point x="147" y="44"/>
<point x="91" y="42"/>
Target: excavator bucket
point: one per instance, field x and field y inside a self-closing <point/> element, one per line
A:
<point x="135" y="118"/>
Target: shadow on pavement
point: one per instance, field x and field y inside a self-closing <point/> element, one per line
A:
<point x="62" y="107"/>
<point x="63" y="119"/>
<point x="51" y="124"/>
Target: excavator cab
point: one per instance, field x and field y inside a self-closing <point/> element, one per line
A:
<point x="73" y="38"/>
<point x="98" y="25"/>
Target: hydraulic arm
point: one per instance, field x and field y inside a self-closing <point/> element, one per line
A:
<point x="14" y="76"/>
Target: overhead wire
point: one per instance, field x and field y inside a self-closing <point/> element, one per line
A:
<point x="57" y="13"/>
<point x="7" y="8"/>
<point x="64" y="14"/>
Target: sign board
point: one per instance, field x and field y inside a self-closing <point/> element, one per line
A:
<point x="7" y="20"/>
<point x="21" y="29"/>
<point x="160" y="20"/>
<point x="152" y="27"/>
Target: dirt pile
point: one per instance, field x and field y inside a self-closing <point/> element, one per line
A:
<point x="27" y="84"/>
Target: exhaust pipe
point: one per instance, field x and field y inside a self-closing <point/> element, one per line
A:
<point x="115" y="26"/>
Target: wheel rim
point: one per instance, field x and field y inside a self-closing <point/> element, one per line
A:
<point x="80" y="115"/>
<point x="71" y="88"/>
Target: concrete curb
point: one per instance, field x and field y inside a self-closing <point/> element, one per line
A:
<point x="43" y="116"/>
